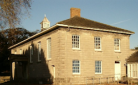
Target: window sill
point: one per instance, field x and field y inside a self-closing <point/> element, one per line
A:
<point x="99" y="50"/>
<point x="98" y="73"/>
<point x="49" y="59"/>
<point x="117" y="51"/>
<point x="76" y="73"/>
<point x="75" y="48"/>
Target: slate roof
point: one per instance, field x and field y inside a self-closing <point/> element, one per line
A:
<point x="133" y="57"/>
<point x="83" y="22"/>
<point x="80" y="22"/>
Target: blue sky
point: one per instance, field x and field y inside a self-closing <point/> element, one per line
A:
<point x="119" y="13"/>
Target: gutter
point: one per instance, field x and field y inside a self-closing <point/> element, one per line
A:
<point x="97" y="29"/>
<point x="33" y="36"/>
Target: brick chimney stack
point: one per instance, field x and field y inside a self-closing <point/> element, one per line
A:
<point x="74" y="12"/>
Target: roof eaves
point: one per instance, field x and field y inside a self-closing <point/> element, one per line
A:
<point x="132" y="61"/>
<point x="33" y="36"/>
<point x="56" y="25"/>
<point x="96" y="29"/>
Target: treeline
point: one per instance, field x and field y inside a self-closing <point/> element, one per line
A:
<point x="8" y="38"/>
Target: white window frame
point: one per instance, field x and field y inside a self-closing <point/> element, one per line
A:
<point x="95" y="44"/>
<point x="78" y="67"/>
<point x="21" y="51"/>
<point x="39" y="51"/>
<point x="95" y="67"/>
<point x="76" y="43"/>
<point x="131" y="70"/>
<point x="15" y="52"/>
<point x="115" y="44"/>
<point x="49" y="48"/>
<point x="137" y="70"/>
<point x="54" y="71"/>
<point x="128" y="70"/>
<point x="31" y="53"/>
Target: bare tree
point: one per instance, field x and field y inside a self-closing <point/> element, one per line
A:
<point x="11" y="12"/>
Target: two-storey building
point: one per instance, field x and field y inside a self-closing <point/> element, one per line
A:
<point x="73" y="48"/>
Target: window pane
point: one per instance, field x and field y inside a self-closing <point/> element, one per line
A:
<point x="39" y="50"/>
<point x="75" y="66"/>
<point x="97" y="66"/>
<point x="75" y="41"/>
<point x="97" y="42"/>
<point x="116" y="44"/>
<point x="30" y="54"/>
<point x="49" y="47"/>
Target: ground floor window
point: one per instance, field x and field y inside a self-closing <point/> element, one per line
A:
<point x="98" y="67"/>
<point x="132" y="70"/>
<point x="75" y="66"/>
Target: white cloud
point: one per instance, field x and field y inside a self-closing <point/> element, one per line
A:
<point x="120" y="22"/>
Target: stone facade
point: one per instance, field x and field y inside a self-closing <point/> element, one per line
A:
<point x="62" y="55"/>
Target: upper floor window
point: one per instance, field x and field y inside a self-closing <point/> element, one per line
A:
<point x="117" y="44"/>
<point x="97" y="43"/>
<point x="49" y="48"/>
<point x="39" y="51"/>
<point x="98" y="67"/>
<point x="15" y="52"/>
<point x="75" y="66"/>
<point x="21" y="52"/>
<point x="31" y="53"/>
<point x="75" y="41"/>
